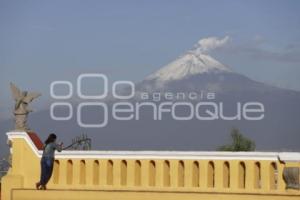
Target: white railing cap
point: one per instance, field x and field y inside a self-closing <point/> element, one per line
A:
<point x="187" y="155"/>
<point x="289" y="156"/>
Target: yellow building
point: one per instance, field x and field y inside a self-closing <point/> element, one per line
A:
<point x="148" y="175"/>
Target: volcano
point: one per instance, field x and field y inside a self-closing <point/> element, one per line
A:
<point x="198" y="72"/>
<point x="192" y="63"/>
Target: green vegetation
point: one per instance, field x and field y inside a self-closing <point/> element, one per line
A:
<point x="239" y="142"/>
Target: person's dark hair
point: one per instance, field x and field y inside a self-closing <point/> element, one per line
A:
<point x="51" y="138"/>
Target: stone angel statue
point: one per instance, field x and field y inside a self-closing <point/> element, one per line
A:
<point x="21" y="110"/>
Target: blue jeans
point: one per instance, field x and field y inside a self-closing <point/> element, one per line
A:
<point x="46" y="169"/>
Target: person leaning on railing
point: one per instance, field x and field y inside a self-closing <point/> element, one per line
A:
<point x="47" y="161"/>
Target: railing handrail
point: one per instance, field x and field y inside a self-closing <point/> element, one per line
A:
<point x="216" y="155"/>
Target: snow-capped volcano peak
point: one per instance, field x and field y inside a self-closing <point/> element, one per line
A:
<point x="192" y="63"/>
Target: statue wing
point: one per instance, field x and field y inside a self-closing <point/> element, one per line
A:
<point x="31" y="96"/>
<point x="15" y="91"/>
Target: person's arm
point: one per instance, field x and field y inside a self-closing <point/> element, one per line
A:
<point x="58" y="147"/>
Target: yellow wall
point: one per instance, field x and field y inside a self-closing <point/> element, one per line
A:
<point x="126" y="177"/>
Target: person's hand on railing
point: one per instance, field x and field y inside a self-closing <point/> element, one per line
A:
<point x="59" y="146"/>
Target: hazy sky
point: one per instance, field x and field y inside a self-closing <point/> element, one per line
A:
<point x="43" y="41"/>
